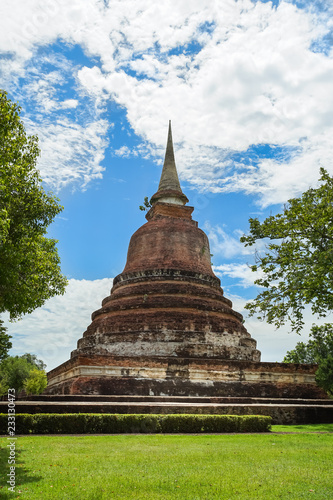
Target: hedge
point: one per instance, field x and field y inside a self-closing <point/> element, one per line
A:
<point x="88" y="423"/>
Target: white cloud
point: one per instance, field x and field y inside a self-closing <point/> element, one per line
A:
<point x="278" y="182"/>
<point x="241" y="272"/>
<point x="124" y="152"/>
<point x="224" y="244"/>
<point x="43" y="90"/>
<point x="69" y="103"/>
<point x="53" y="330"/>
<point x="76" y="160"/>
<point x="253" y="78"/>
<point x="72" y="150"/>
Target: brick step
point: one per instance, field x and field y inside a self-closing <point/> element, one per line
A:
<point x="280" y="413"/>
<point x="175" y="399"/>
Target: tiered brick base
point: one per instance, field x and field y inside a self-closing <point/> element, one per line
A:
<point x="182" y="377"/>
<point x="282" y="411"/>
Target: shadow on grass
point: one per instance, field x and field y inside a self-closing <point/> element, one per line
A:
<point x="22" y="476"/>
<point x="303" y="428"/>
<point x="317" y="427"/>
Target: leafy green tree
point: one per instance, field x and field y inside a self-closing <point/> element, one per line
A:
<point x="13" y="372"/>
<point x="36" y="382"/>
<point x="29" y="262"/>
<point x="319" y="350"/>
<point x="3" y="386"/>
<point x="16" y="371"/>
<point x="324" y="374"/>
<point x="32" y="359"/>
<point x="301" y="354"/>
<point x="5" y="343"/>
<point x="297" y="268"/>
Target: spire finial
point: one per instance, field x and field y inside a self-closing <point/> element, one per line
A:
<point x="169" y="177"/>
<point x="169" y="190"/>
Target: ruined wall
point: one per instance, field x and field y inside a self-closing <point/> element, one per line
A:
<point x="183" y="377"/>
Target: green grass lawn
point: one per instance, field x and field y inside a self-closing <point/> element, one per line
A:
<point x="303" y="428"/>
<point x="249" y="466"/>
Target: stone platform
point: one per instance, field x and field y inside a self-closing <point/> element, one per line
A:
<point x="177" y="376"/>
<point x="282" y="411"/>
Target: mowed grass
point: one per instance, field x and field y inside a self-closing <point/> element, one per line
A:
<point x="250" y="466"/>
<point x="303" y="428"/>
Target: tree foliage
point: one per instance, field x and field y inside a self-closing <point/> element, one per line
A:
<point x="29" y="262"/>
<point x="319" y="350"/>
<point x="324" y="374"/>
<point x="5" y="343"/>
<point x="36" y="382"/>
<point x="297" y="268"/>
<point x="146" y="204"/>
<point x="13" y="372"/>
<point x="33" y="360"/>
<point x="17" y="371"/>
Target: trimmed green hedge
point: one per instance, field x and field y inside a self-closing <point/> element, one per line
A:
<point x="88" y="423"/>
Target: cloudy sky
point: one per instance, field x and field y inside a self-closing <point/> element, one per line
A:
<point x="248" y="85"/>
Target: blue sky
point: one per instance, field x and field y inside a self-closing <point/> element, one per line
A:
<point x="248" y="86"/>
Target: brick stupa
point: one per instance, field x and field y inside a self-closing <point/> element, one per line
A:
<point x="166" y="328"/>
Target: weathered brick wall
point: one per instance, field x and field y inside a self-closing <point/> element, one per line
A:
<point x="171" y="243"/>
<point x="183" y="377"/>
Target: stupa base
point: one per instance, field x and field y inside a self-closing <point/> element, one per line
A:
<point x="116" y="375"/>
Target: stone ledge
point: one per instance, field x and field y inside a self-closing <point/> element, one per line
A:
<point x="163" y="273"/>
<point x="204" y="377"/>
<point x="281" y="414"/>
<point x="173" y="376"/>
<point x="175" y="399"/>
<point x="197" y="362"/>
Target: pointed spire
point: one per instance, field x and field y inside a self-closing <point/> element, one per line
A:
<point x="169" y="177"/>
<point x="169" y="190"/>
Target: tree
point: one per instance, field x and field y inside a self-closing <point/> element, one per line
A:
<point x="5" y="343"/>
<point x="319" y="350"/>
<point x="32" y="359"/>
<point x="36" y="382"/>
<point x="29" y="262"/>
<point x="13" y="372"/>
<point x="324" y="374"/>
<point x="17" y="371"/>
<point x="297" y="269"/>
